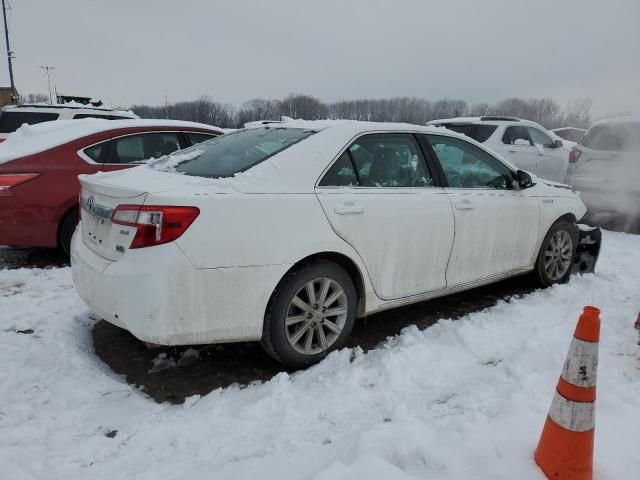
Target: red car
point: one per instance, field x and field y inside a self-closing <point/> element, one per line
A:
<point x="40" y="164"/>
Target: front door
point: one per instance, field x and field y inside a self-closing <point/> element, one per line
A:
<point x="496" y="224"/>
<point x="379" y="197"/>
<point x="519" y="150"/>
<point x="553" y="161"/>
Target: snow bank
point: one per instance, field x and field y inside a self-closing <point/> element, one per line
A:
<point x="32" y="139"/>
<point x="463" y="399"/>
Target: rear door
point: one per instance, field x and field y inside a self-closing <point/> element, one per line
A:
<point x="496" y="225"/>
<point x="379" y="196"/>
<point x="518" y="148"/>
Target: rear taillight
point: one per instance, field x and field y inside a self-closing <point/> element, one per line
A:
<point x="155" y="224"/>
<point x="10" y="180"/>
<point x="2" y="140"/>
<point x="574" y="154"/>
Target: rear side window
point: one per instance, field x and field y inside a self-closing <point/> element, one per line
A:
<point x="11" y="121"/>
<point x="480" y="133"/>
<point x="618" y="137"/>
<point x="195" y="138"/>
<point x="389" y="160"/>
<point x="95" y="152"/>
<point x="236" y="152"/>
<point x="515" y="136"/>
<point x="341" y="173"/>
<point x="138" y="148"/>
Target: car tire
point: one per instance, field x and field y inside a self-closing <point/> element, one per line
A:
<point x="67" y="228"/>
<point x="558" y="249"/>
<point x="300" y="327"/>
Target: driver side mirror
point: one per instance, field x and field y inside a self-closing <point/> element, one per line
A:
<point x="556" y="144"/>
<point x="524" y="180"/>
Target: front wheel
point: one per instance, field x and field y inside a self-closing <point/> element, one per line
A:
<point x="556" y="254"/>
<point x="310" y="314"/>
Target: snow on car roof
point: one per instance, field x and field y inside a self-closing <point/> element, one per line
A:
<point x="32" y="139"/>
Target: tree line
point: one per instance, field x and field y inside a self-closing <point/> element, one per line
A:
<point x="545" y="111"/>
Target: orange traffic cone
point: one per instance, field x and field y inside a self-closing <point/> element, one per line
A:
<point x="565" y="449"/>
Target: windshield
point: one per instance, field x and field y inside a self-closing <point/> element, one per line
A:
<point x="232" y="153"/>
<point x="620" y="137"/>
<point x="480" y="133"/>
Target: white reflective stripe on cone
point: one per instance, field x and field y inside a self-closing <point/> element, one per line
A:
<point x="582" y="364"/>
<point x="573" y="416"/>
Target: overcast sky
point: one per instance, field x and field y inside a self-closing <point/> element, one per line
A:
<point x="138" y="51"/>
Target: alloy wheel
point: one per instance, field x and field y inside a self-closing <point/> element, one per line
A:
<point x="557" y="256"/>
<point x="316" y="316"/>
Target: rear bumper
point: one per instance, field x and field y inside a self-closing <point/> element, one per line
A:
<point x="160" y="297"/>
<point x="602" y="200"/>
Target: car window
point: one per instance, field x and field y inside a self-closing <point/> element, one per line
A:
<point x="389" y="160"/>
<point x="341" y="173"/>
<point x="95" y="151"/>
<point x="79" y="116"/>
<point x="195" y="138"/>
<point x="480" y="133"/>
<point x="467" y="166"/>
<point x="539" y="137"/>
<point x="621" y="136"/>
<point x="11" y="121"/>
<point x="236" y="152"/>
<point x="138" y="148"/>
<point x="515" y="136"/>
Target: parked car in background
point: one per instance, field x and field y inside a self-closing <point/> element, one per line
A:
<point x="572" y="134"/>
<point x="524" y="143"/>
<point x="40" y="164"/>
<point x="14" y="116"/>
<point x="288" y="232"/>
<point x="605" y="168"/>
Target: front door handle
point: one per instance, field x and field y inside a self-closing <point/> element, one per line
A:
<point x="348" y="208"/>
<point x="465" y="205"/>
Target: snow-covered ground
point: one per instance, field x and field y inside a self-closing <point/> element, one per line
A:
<point x="463" y="399"/>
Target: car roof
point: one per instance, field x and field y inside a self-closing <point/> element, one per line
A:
<point x="487" y="120"/>
<point x="64" y="106"/>
<point x="617" y="120"/>
<point x="32" y="139"/>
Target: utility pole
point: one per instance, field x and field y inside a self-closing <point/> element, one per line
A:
<point x="14" y="92"/>
<point x="48" y="69"/>
<point x="166" y="106"/>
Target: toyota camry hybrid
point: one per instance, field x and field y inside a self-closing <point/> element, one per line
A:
<point x="286" y="233"/>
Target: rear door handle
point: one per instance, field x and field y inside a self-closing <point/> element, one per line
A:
<point x="465" y="205"/>
<point x="348" y="209"/>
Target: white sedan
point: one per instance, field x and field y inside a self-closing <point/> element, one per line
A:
<point x="287" y="233"/>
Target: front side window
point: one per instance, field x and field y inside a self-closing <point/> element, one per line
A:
<point x="539" y="137"/>
<point x="389" y="160"/>
<point x="138" y="148"/>
<point x="80" y="116"/>
<point x="467" y="166"/>
<point x="11" y="121"/>
<point x="516" y="136"/>
<point x="236" y="152"/>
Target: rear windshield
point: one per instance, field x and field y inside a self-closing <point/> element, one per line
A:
<point x="620" y="137"/>
<point x="11" y="121"/>
<point x="480" y="133"/>
<point x="226" y="155"/>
